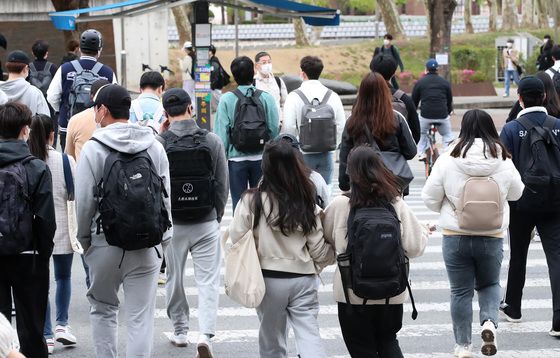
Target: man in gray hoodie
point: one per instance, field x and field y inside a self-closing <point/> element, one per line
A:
<point x="17" y="89"/>
<point x="199" y="193"/>
<point x="111" y="266"/>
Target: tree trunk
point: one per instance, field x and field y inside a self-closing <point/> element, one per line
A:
<point x="441" y="14"/>
<point x="493" y="9"/>
<point x="509" y="15"/>
<point x="63" y="5"/>
<point x="181" y="15"/>
<point x="543" y="14"/>
<point x="299" y="29"/>
<point x="391" y="18"/>
<point x="468" y="17"/>
<point x="527" y="14"/>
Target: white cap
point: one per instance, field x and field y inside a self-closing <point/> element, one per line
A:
<point x="187" y="44"/>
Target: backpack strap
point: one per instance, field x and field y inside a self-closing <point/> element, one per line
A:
<point x="399" y="94"/>
<point x="278" y="82"/>
<point x="77" y="66"/>
<point x="554" y="71"/>
<point x="327" y="97"/>
<point x="414" y="310"/>
<point x="237" y="92"/>
<point x="47" y="68"/>
<point x="96" y="68"/>
<point x="303" y="97"/>
<point x="159" y="113"/>
<point x="32" y="68"/>
<point x="68" y="179"/>
<point x="526" y="123"/>
<point x="549" y="122"/>
<point x="138" y="112"/>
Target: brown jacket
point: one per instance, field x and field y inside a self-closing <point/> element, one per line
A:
<point x="513" y="54"/>
<point x="80" y="129"/>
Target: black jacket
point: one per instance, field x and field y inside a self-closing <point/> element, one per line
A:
<point x="41" y="193"/>
<point x="401" y="142"/>
<point x="545" y="61"/>
<point x="435" y="94"/>
<point x="412" y="114"/>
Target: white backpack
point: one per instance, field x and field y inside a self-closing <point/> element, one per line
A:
<point x="480" y="206"/>
<point x="152" y="120"/>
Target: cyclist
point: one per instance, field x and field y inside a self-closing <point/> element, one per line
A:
<point x="434" y="92"/>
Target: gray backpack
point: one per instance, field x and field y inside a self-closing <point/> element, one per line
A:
<point x="317" y="130"/>
<point x="81" y="87"/>
<point x="40" y="79"/>
<point x="398" y="104"/>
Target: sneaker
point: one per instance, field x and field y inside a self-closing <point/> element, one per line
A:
<point x="162" y="279"/>
<point x="488" y="335"/>
<point x="50" y="345"/>
<point x="507" y="312"/>
<point x="204" y="347"/>
<point x="506" y="95"/>
<point x="179" y="340"/>
<point x="464" y="351"/>
<point x="554" y="333"/>
<point x="63" y="335"/>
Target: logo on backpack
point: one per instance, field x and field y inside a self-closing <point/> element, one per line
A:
<point x="317" y="130"/>
<point x="16" y="217"/>
<point x="191" y="171"/>
<point x="250" y="131"/>
<point x="80" y="91"/>
<point x="480" y="206"/>
<point x="41" y="79"/>
<point x="130" y="201"/>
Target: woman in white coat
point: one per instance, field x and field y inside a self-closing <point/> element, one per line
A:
<point x="470" y="187"/>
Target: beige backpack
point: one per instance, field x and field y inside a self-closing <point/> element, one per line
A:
<point x="480" y="206"/>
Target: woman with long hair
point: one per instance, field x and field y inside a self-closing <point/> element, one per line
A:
<point x="41" y="140"/>
<point x="287" y="227"/>
<point x="373" y="119"/>
<point x="551" y="101"/>
<point x="470" y="187"/>
<point x="369" y="328"/>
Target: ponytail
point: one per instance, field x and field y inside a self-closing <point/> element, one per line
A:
<point x="41" y="129"/>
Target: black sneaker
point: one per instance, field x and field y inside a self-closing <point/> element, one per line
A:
<point x="509" y="314"/>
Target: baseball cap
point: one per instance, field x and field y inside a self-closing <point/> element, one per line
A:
<point x="18" y="57"/>
<point x="187" y="44"/>
<point x="432" y="64"/>
<point x="112" y="96"/>
<point x="290" y="139"/>
<point x="530" y="84"/>
<point x="175" y="97"/>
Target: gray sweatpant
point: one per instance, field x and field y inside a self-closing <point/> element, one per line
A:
<point x="293" y="299"/>
<point x="203" y="242"/>
<point x="138" y="275"/>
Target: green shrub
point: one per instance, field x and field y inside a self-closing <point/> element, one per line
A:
<point x="482" y="60"/>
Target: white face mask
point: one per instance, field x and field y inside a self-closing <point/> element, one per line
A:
<point x="386" y="42"/>
<point x="97" y="124"/>
<point x="545" y="41"/>
<point x="266" y="68"/>
<point x="509" y="45"/>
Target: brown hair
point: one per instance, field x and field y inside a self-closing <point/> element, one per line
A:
<point x="15" y="67"/>
<point x="373" y="111"/>
<point x="72" y="45"/>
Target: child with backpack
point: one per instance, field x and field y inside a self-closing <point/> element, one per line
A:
<point x="62" y="167"/>
<point x="470" y="187"/>
<point x="375" y="233"/>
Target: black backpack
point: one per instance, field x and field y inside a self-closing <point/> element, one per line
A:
<point x="317" y="128"/>
<point x="222" y="77"/>
<point x="191" y="171"/>
<point x="250" y="131"/>
<point x="378" y="265"/>
<point x="16" y="216"/>
<point x="556" y="80"/>
<point x="539" y="166"/>
<point x="41" y="79"/>
<point x="130" y="200"/>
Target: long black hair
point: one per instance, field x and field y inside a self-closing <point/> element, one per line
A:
<point x="41" y="129"/>
<point x="477" y="123"/>
<point x="286" y="182"/>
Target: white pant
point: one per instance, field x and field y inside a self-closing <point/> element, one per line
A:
<point x="444" y="129"/>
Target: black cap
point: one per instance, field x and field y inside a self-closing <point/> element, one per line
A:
<point x="90" y="40"/>
<point x="112" y="96"/>
<point x="18" y="57"/>
<point x="175" y="97"/>
<point x="530" y="85"/>
<point x="290" y="138"/>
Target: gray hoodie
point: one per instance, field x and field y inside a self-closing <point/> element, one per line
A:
<point x="125" y="138"/>
<point x="20" y="90"/>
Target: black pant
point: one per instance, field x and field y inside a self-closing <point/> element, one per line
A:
<point x="29" y="283"/>
<point x="371" y="331"/>
<point x="520" y="227"/>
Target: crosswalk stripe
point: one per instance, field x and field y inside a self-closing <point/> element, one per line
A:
<point x="531" y="353"/>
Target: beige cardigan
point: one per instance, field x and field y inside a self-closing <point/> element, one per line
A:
<point x="414" y="237"/>
<point x="296" y="253"/>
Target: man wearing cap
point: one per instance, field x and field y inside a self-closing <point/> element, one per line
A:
<point x="522" y="222"/>
<point x="137" y="272"/>
<point x="58" y="93"/>
<point x="198" y="234"/>
<point x="17" y="89"/>
<point x="434" y="92"/>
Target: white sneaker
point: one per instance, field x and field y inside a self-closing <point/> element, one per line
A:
<point x="505" y="95"/>
<point x="50" y="345"/>
<point x="464" y="351"/>
<point x="63" y="335"/>
<point x="488" y="335"/>
<point x="179" y="340"/>
<point x="204" y="347"/>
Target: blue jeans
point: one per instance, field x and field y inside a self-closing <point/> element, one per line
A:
<point x="243" y="175"/>
<point x="322" y="163"/>
<point x="443" y="127"/>
<point x="508" y="74"/>
<point x="62" y="275"/>
<point x="472" y="263"/>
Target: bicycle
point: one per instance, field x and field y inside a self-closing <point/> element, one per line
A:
<point x="432" y="152"/>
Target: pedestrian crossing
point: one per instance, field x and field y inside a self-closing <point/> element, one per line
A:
<point x="430" y="336"/>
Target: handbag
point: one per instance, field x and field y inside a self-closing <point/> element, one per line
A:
<point x="71" y="206"/>
<point x="243" y="278"/>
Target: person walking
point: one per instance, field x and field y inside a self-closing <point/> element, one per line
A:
<point x="470" y="187"/>
<point x="122" y="235"/>
<point x="246" y="119"/>
<point x="291" y="250"/>
<point x="370" y="327"/>
<point x="266" y="81"/>
<point x="318" y="141"/>
<point x="374" y="120"/>
<point x="198" y="156"/>
<point x="62" y="166"/>
<point x="388" y="49"/>
<point x="545" y="60"/>
<point x="510" y="57"/>
<point x="219" y="78"/>
<point x="26" y="247"/>
<point x="538" y="206"/>
<point x="551" y="99"/>
<point x="147" y="110"/>
<point x="188" y="67"/>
